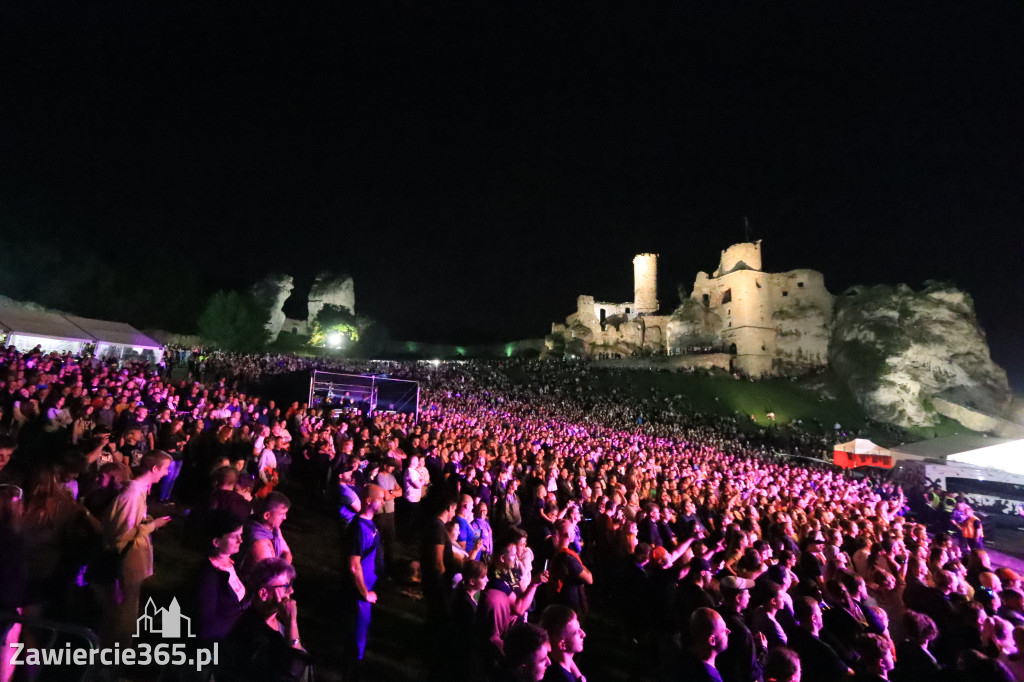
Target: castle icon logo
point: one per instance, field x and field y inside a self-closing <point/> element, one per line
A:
<point x="168" y="622"/>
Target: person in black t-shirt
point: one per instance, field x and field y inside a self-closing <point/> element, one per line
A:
<point x="566" y="638"/>
<point x="256" y="649"/>
<point x="437" y="562"/>
<point x="814" y="654"/>
<point x="741" y="661"/>
<point x="569" y="577"/>
<point x="437" y="567"/>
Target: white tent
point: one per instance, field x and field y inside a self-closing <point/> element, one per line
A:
<point x="119" y="333"/>
<point x="26" y="328"/>
<point x="980" y="451"/>
<point x="1007" y="456"/>
<point x="119" y="339"/>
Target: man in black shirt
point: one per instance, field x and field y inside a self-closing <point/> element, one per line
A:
<point x="814" y="654"/>
<point x="692" y="594"/>
<point x="437" y="565"/>
<point x="256" y="648"/>
<point x="741" y="661"/>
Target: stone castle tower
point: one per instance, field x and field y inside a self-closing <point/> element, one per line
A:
<point x="645" y="283"/>
<point x="768" y="321"/>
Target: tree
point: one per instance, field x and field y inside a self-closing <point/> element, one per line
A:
<point x="234" y="321"/>
<point x="334" y="326"/>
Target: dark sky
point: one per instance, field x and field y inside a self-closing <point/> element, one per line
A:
<point x="476" y="165"/>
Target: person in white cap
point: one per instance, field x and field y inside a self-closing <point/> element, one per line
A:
<point x="744" y="656"/>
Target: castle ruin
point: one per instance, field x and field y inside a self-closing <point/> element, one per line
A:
<point x="619" y="329"/>
<point x="768" y="323"/>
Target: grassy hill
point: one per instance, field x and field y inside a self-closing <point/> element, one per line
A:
<point x="818" y="402"/>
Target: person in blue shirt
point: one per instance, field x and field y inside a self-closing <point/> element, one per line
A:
<point x="482" y="528"/>
<point x="468" y="535"/>
<point x="362" y="545"/>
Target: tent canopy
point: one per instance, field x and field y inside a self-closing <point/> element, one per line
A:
<point x="1007" y="456"/>
<point x="118" y="333"/>
<point x="1001" y="454"/>
<point x="42" y="323"/>
<point x="26" y="322"/>
<point x="947" y="446"/>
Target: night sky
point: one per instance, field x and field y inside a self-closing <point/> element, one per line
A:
<point x="476" y="165"/>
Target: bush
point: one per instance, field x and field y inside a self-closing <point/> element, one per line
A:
<point x="234" y="321"/>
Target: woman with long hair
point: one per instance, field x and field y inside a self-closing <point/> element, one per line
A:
<point x="82" y="426"/>
<point x="58" y="416"/>
<point x="13" y="572"/>
<point x="58" y="532"/>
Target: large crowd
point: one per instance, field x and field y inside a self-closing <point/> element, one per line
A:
<point x="533" y="493"/>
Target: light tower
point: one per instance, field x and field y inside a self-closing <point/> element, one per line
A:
<point x="645" y="283"/>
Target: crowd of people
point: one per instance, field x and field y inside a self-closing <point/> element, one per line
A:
<point x="533" y="493"/>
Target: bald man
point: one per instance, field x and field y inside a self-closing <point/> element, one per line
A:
<point x="710" y="637"/>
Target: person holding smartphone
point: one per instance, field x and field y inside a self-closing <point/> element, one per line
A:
<point x="127" y="527"/>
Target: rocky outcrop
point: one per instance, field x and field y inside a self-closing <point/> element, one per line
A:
<point x="693" y="326"/>
<point x="331" y="289"/>
<point x="271" y="293"/>
<point x="897" y="349"/>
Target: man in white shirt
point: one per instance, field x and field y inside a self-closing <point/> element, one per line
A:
<point x="415" y="481"/>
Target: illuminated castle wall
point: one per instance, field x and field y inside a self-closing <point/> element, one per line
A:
<point x="771" y="323"/>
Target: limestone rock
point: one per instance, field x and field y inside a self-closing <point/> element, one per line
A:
<point x="693" y="326"/>
<point x="271" y="292"/>
<point x="329" y="288"/>
<point x="897" y="349"/>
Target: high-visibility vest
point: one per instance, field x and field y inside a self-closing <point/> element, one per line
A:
<point x="935" y="500"/>
<point x="949" y="504"/>
<point x="967" y="528"/>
